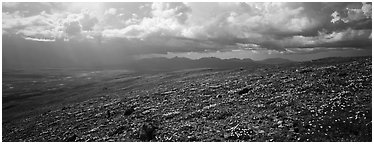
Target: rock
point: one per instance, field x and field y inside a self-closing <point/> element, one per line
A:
<point x="147" y="132"/>
<point x="305" y="70"/>
<point x="227" y="135"/>
<point x="281" y="114"/>
<point x="279" y="122"/>
<point x="108" y="113"/>
<point x="71" y="138"/>
<point x="215" y="86"/>
<point x="129" y="111"/>
<point x="146" y="112"/>
<point x="94" y="129"/>
<point x="120" y="129"/>
<point x="171" y="114"/>
<point x="219" y="96"/>
<point x="167" y="93"/>
<point x="243" y="91"/>
<point x="261" y="131"/>
<point x="296" y="130"/>
<point x="193" y="89"/>
<point x="192" y="138"/>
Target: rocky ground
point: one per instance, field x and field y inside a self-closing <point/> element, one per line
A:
<point x="322" y="100"/>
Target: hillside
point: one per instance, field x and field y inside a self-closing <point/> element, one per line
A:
<point x="321" y="100"/>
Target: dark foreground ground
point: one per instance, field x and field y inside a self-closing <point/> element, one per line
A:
<point x="323" y="100"/>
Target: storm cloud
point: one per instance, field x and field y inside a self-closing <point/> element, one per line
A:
<point x="128" y="29"/>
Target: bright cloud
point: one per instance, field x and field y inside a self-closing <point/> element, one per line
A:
<point x="353" y="14"/>
<point x="195" y="26"/>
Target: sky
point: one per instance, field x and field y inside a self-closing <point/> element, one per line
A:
<point x="92" y="33"/>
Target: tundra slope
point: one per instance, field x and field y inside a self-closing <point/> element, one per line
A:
<point x="322" y="100"/>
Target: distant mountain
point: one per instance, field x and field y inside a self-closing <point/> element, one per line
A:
<point x="275" y="61"/>
<point x="178" y="63"/>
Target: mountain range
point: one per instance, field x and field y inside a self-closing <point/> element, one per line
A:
<point x="178" y="63"/>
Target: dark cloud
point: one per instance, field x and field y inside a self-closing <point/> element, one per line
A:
<point x="127" y="29"/>
<point x="73" y="28"/>
<point x="159" y="45"/>
<point x="357" y="43"/>
<point x="321" y="12"/>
